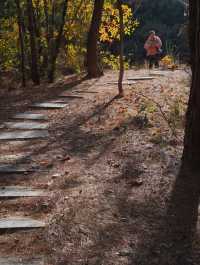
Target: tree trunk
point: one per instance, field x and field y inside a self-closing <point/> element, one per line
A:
<point x="33" y="44"/>
<point x="93" y="66"/>
<point x="55" y="46"/>
<point x="121" y="53"/>
<point x="21" y="39"/>
<point x="37" y="24"/>
<point x="191" y="154"/>
<point x="46" y="51"/>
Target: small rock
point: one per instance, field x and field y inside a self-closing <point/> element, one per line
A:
<point x="137" y="182"/>
<point x="124" y="253"/>
<point x="56" y="175"/>
<point x="66" y="158"/>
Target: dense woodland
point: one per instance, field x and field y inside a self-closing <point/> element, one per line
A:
<point x="40" y="39"/>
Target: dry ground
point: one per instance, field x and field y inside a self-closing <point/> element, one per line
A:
<point x="110" y="165"/>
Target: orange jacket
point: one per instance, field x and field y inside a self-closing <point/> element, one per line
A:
<point x="152" y="45"/>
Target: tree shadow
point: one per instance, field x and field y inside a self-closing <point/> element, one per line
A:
<point x="78" y="142"/>
<point x="173" y="242"/>
<point x="12" y="104"/>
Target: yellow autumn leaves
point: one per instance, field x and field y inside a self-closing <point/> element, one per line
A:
<point x="109" y="30"/>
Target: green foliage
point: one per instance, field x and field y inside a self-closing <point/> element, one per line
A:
<point x="111" y="61"/>
<point x="176" y="113"/>
<point x="8" y="44"/>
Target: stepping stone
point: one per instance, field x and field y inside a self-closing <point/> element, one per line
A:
<point x="160" y="73"/>
<point x="30" y="116"/>
<point x="21" y="261"/>
<point x="137" y="78"/>
<point x="123" y="83"/>
<point x="60" y="100"/>
<point x="26" y="125"/>
<point x="49" y="105"/>
<point x="26" y="135"/>
<point x="66" y="95"/>
<point x="14" y="169"/>
<point x="19" y="191"/>
<point x="20" y="223"/>
<point x="85" y="91"/>
<point x="13" y="158"/>
<point x="157" y="74"/>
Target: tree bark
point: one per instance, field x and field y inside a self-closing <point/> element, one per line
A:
<point x="93" y="66"/>
<point x="33" y="44"/>
<point x="37" y="25"/>
<point x="46" y="20"/>
<point x="191" y="153"/>
<point x="121" y="53"/>
<point x="21" y="40"/>
<point x="56" y="45"/>
<point x="46" y="51"/>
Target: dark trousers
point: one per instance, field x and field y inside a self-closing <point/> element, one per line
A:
<point x="153" y="61"/>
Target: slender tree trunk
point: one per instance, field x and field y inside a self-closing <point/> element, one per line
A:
<point x="52" y="20"/>
<point x="121" y="54"/>
<point x="56" y="45"/>
<point x="21" y="39"/>
<point x="46" y="51"/>
<point x="46" y="20"/>
<point x="51" y="34"/>
<point x="33" y="44"/>
<point x="191" y="154"/>
<point x="93" y="66"/>
<point x="37" y="25"/>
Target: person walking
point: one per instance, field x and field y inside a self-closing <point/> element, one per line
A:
<point x="153" y="49"/>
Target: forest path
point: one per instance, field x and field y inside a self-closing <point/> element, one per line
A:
<point x="103" y="169"/>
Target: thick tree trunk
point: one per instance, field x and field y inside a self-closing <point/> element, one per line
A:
<point x="33" y="44"/>
<point x="21" y="39"/>
<point x="55" y="46"/>
<point x="191" y="154"/>
<point x="93" y="66"/>
<point x="121" y="53"/>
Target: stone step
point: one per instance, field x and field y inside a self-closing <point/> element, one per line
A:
<point x="160" y="73"/>
<point x="12" y="158"/>
<point x="20" y="191"/>
<point x="25" y="135"/>
<point x="30" y="116"/>
<point x="67" y="95"/>
<point x="20" y="223"/>
<point x="123" y="83"/>
<point x="15" y="169"/>
<point x="49" y="105"/>
<point x="26" y="125"/>
<point x="138" y="78"/>
<point x="60" y="100"/>
<point x="85" y="92"/>
<point x="21" y="261"/>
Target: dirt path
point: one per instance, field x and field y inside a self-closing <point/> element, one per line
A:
<point x="109" y="165"/>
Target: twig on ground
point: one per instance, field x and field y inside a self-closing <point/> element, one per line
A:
<point x="173" y="131"/>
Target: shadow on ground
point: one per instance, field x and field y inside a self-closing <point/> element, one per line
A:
<point x="173" y="242"/>
<point x="170" y="231"/>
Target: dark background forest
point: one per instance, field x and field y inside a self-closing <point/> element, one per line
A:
<point x="169" y="19"/>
